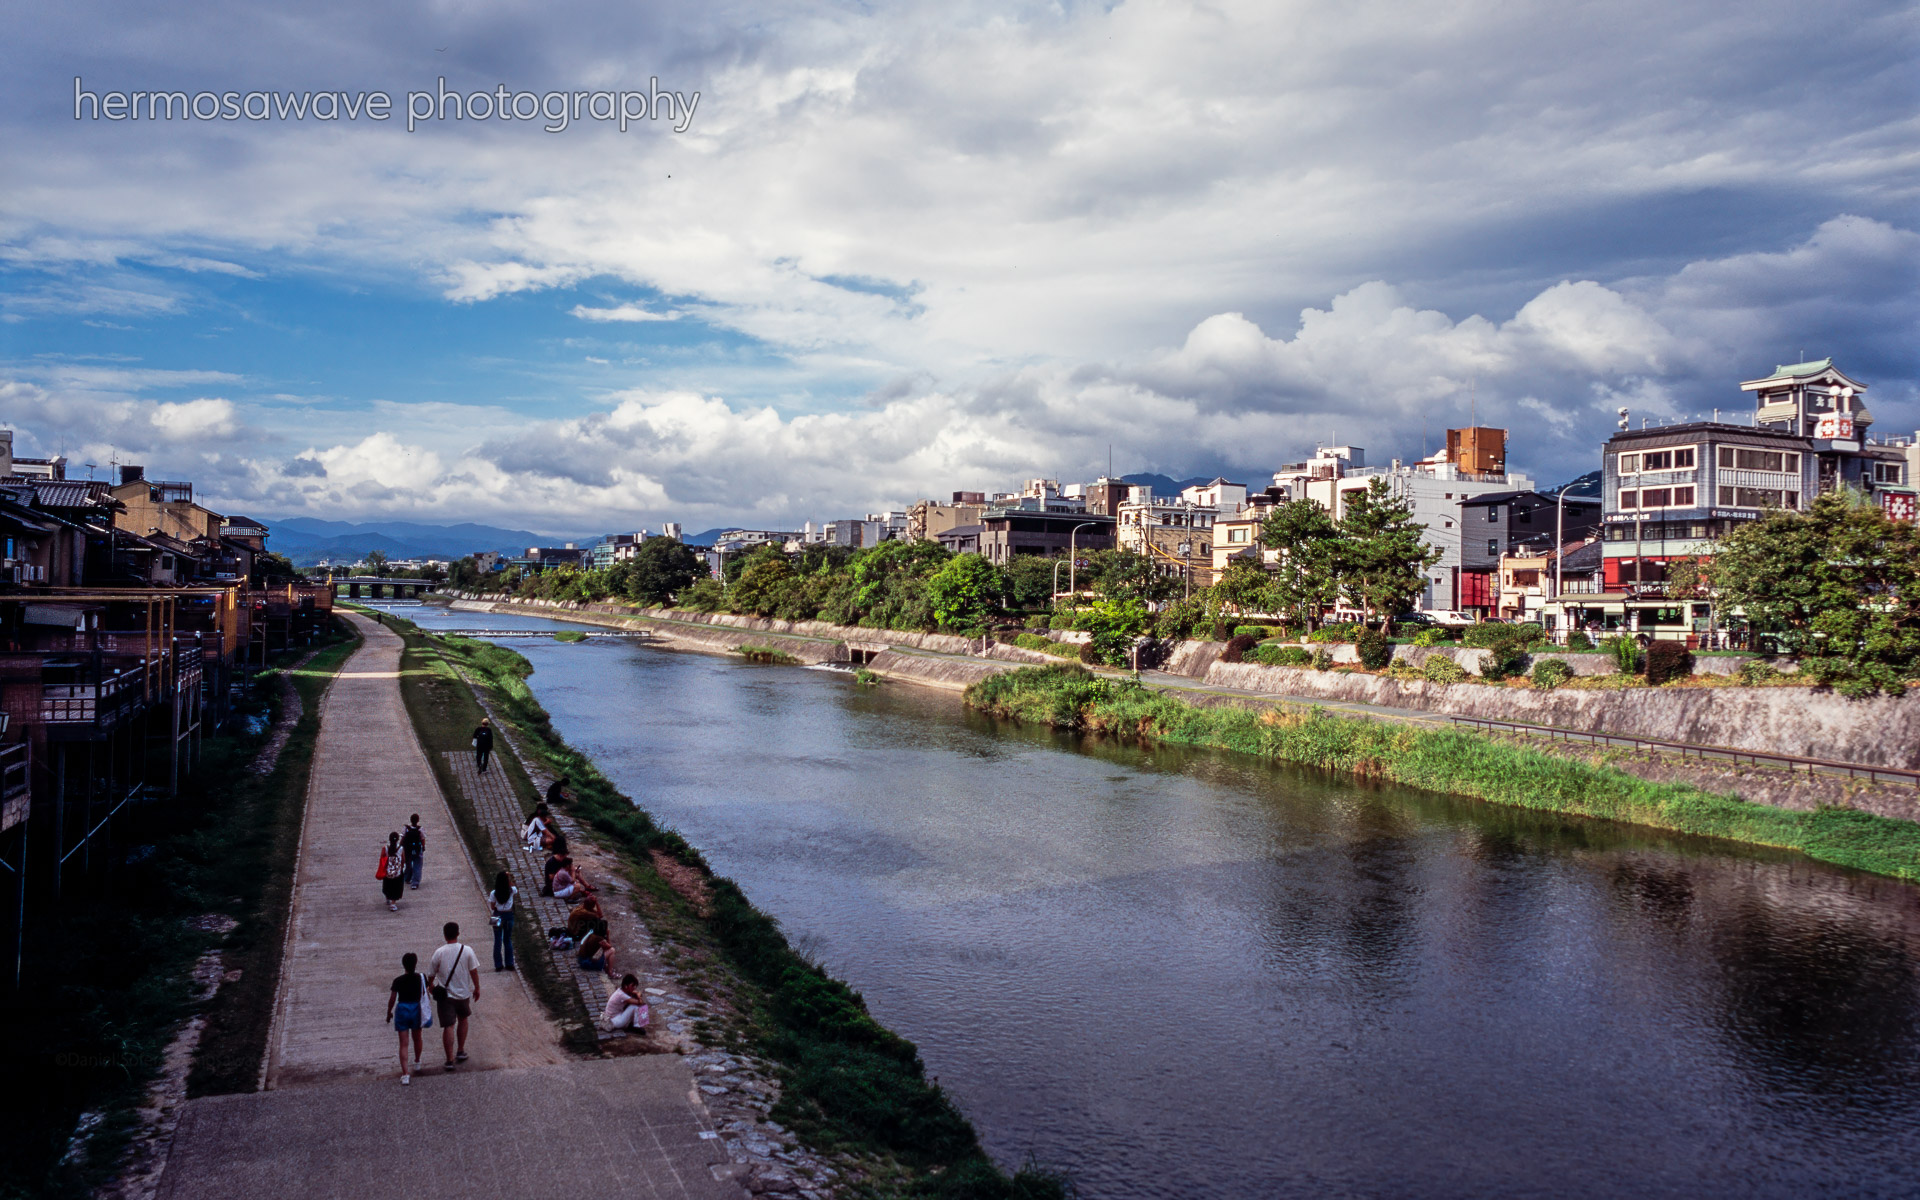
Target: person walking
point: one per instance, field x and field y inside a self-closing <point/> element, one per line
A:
<point x="482" y="745"/>
<point x="391" y="873"/>
<point x="407" y="1009"/>
<point x="453" y="978"/>
<point x="413" y="849"/>
<point x="501" y="900"/>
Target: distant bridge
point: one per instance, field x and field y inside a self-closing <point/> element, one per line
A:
<point x="376" y="588"/>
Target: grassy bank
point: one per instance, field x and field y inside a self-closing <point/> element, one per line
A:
<point x="1444" y="760"/>
<point x="848" y="1084"/>
<point x="108" y="977"/>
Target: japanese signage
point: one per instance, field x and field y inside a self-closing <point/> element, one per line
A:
<point x="1900" y="506"/>
<point x="1834" y="425"/>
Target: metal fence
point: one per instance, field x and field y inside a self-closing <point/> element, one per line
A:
<point x="1812" y="766"/>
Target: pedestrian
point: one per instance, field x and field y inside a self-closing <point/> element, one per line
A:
<point x="413" y="849"/>
<point x="482" y="745"/>
<point x="625" y="1009"/>
<point x="407" y="1009"/>
<point x="391" y="873"/>
<point x="453" y="978"/>
<point x="501" y="900"/>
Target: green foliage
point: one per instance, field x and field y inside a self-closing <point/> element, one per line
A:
<point x="1027" y="581"/>
<point x="660" y="569"/>
<point x="761" y="587"/>
<point x="1122" y="575"/>
<point x="1626" y="654"/>
<point x="1839" y="583"/>
<point x="1306" y="581"/>
<point x="865" y="677"/>
<point x="1237" y="647"/>
<point x="569" y="635"/>
<point x="1244" y="587"/>
<point x="1550" y="673"/>
<point x="1257" y="632"/>
<point x="1274" y="655"/>
<point x="1032" y="641"/>
<point x="1179" y="618"/>
<point x="1439" y="668"/>
<point x="1433" y="635"/>
<point x="1374" y="649"/>
<point x="764" y="654"/>
<point x="1488" y="634"/>
<point x="1578" y="642"/>
<point x="707" y="595"/>
<point x="1667" y="661"/>
<point x="1758" y="671"/>
<point x="1341" y="632"/>
<point x="1322" y="660"/>
<point x="1448" y="759"/>
<point x="1040" y="621"/>
<point x="1382" y="557"/>
<point x="963" y="591"/>
<point x="1115" y="625"/>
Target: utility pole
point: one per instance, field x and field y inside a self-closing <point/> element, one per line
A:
<point x="1073" y="561"/>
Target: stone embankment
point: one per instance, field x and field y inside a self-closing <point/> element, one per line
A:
<point x="1812" y="723"/>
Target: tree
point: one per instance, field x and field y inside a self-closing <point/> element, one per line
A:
<point x="762" y="586"/>
<point x="1115" y="625"/>
<point x="1307" y="579"/>
<point x="1246" y="587"/>
<point x="377" y="563"/>
<point x="882" y="573"/>
<point x="1119" y="575"/>
<point x="1382" y="558"/>
<point x="963" y="591"/>
<point x="1027" y="580"/>
<point x="1839" y="584"/>
<point x="268" y="565"/>
<point x="659" y="569"/>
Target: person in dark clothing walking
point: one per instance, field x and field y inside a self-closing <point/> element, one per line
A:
<point x="413" y="850"/>
<point x="482" y="745"/>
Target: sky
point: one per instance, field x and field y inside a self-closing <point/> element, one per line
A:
<point x="893" y="251"/>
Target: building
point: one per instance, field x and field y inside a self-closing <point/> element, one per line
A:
<point x="1005" y="533"/>
<point x="545" y="558"/>
<point x="1671" y="491"/>
<point x="51" y="469"/>
<point x="671" y="529"/>
<point x="1497" y="526"/>
<point x="928" y="519"/>
<point x="1175" y="532"/>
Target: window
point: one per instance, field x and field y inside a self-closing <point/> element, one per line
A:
<point x="1683" y="458"/>
<point x="1656" y="497"/>
<point x="1745" y="497"/>
<point x="1629" y="463"/>
<point x="1526" y="515"/>
<point x="1493" y="545"/>
<point x="1449" y="524"/>
<point x="1629" y="499"/>
<point x="1683" y="497"/>
<point x="1657" y="460"/>
<point x="1759" y="460"/>
<point x="1493" y="512"/>
<point x="1886" y="472"/>
<point x="1236" y="535"/>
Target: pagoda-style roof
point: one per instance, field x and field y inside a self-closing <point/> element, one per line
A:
<point x="1819" y="371"/>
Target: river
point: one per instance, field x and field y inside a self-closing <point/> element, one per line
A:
<point x="1184" y="974"/>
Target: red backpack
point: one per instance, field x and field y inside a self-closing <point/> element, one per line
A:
<point x="381" y="872"/>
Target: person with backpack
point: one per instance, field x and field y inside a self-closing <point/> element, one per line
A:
<point x="482" y="745"/>
<point x="501" y="900"/>
<point x="453" y="979"/>
<point x="390" y="873"/>
<point x="413" y="849"/>
<point x="407" y="1009"/>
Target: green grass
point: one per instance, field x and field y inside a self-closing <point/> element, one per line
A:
<point x="1447" y="760"/>
<point x="848" y="1083"/>
<point x="764" y="654"/>
<point x="107" y="980"/>
<point x="569" y="635"/>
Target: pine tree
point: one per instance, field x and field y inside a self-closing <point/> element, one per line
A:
<point x="1382" y="560"/>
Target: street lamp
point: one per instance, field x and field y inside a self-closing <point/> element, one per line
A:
<point x="1560" y="539"/>
<point x="1073" y="563"/>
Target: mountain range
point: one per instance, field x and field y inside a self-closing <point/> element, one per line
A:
<point x="309" y="540"/>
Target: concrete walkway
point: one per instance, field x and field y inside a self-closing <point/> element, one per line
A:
<point x="333" y="1119"/>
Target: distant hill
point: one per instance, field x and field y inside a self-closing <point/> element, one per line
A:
<point x="1166" y="485"/>
<point x="1585" y="485"/>
<point x="308" y="540"/>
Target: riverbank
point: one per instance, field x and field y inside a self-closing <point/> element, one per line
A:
<point x="1446" y="760"/>
<point x="847" y="1086"/>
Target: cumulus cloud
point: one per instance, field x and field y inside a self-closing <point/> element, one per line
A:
<point x="621" y="312"/>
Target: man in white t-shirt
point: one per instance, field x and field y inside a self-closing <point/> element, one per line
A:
<point x="453" y="975"/>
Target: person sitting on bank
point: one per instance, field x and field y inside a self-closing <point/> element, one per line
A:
<point x="596" y="953"/>
<point x="626" y="1009"/>
<point x="556" y="857"/>
<point x="568" y="885"/>
<point x="539" y="832"/>
<point x="584" y="914"/>
<point x="557" y="792"/>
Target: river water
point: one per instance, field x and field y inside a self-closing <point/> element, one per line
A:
<point x="1184" y="974"/>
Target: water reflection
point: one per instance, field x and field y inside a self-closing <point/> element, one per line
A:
<point x="1184" y="974"/>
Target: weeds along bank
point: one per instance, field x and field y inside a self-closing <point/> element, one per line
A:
<point x="849" y="1085"/>
<point x="1444" y="760"/>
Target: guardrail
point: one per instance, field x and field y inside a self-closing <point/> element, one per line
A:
<point x="1813" y="766"/>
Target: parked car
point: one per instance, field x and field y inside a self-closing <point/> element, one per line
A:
<point x="1449" y="618"/>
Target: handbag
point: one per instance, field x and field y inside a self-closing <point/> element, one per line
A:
<point x="380" y="872"/>
<point x="440" y="989"/>
<point x="426" y="1013"/>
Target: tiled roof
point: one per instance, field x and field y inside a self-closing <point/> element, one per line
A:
<point x="1796" y="370"/>
<point x="66" y="493"/>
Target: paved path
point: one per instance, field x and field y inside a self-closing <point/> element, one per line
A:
<point x="344" y="946"/>
<point x="333" y="1120"/>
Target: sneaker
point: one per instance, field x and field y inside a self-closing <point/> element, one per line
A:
<point x="460" y="1057"/>
<point x="405" y="1080"/>
<point x="449" y="1064"/>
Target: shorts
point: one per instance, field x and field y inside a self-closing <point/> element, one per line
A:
<point x="590" y="964"/>
<point x="452" y="1009"/>
<point x="406" y="1016"/>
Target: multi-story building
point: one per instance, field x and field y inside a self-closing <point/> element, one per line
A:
<point x="928" y="519"/>
<point x="1494" y="526"/>
<point x="1007" y="532"/>
<point x="1175" y="532"/>
<point x="1671" y="491"/>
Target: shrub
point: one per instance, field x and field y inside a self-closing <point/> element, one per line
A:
<point x="1253" y="631"/>
<point x="1337" y="632"/>
<point x="1039" y="621"/>
<point x="1238" y="646"/>
<point x="1322" y="660"/>
<point x="1375" y="650"/>
<point x="1032" y="641"/>
<point x="1440" y="669"/>
<point x="1550" y="673"/>
<point x="1578" y="642"/>
<point x="1432" y="635"/>
<point x="569" y="635"/>
<point x="1222" y="631"/>
<point x="1280" y="656"/>
<point x="1626" y="654"/>
<point x="1087" y="654"/>
<point x="1060" y="620"/>
<point x="1488" y="634"/>
<point x="1667" y="661"/>
<point x="1757" y="671"/>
